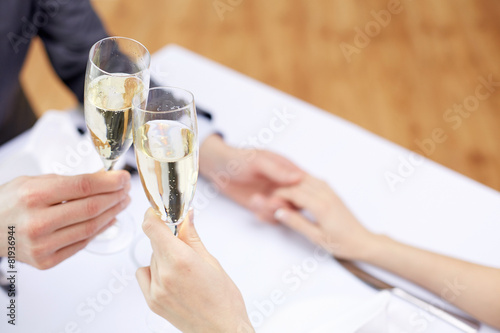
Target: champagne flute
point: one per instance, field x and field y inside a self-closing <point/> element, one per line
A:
<point x="117" y="70"/>
<point x="166" y="150"/>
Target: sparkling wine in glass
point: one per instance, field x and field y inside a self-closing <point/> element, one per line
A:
<point x="117" y="70"/>
<point x="166" y="150"/>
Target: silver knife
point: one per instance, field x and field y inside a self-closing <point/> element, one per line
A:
<point x="464" y="324"/>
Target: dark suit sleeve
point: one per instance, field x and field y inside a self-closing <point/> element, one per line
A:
<point x="70" y="33"/>
<point x="68" y="36"/>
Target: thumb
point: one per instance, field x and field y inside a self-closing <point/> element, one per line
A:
<point x="189" y="235"/>
<point x="296" y="221"/>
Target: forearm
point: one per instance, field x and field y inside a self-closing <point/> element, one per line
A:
<point x="473" y="288"/>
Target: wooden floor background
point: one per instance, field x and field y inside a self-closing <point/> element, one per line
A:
<point x="398" y="83"/>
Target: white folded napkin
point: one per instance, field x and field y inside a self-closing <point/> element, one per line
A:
<point x="326" y="314"/>
<point x="59" y="148"/>
<point x="53" y="145"/>
<point x="382" y="313"/>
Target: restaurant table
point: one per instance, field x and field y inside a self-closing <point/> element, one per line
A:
<point x="431" y="207"/>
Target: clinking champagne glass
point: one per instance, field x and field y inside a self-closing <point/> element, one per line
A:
<point x="117" y="70"/>
<point x="166" y="150"/>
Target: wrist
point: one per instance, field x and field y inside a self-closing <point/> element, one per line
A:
<point x="213" y="153"/>
<point x="375" y="246"/>
<point x="366" y="247"/>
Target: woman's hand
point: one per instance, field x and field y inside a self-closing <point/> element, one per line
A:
<point x="339" y="232"/>
<point x="335" y="228"/>
<point x="186" y="285"/>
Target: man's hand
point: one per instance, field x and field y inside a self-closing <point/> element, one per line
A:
<point x="186" y="285"/>
<point x="248" y="176"/>
<point x="57" y="216"/>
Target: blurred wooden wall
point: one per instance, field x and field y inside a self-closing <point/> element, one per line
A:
<point x="398" y="83"/>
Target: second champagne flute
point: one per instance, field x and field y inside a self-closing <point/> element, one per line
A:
<point x="166" y="148"/>
<point x="117" y="70"/>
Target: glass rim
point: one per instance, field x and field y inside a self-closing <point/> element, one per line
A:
<point x="136" y="102"/>
<point x="120" y="74"/>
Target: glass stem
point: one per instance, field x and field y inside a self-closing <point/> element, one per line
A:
<point x="109" y="164"/>
<point x="174" y="229"/>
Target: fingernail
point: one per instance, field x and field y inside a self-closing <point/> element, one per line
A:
<point x="280" y="214"/>
<point x="147" y="215"/>
<point x="125" y="178"/>
<point x="127" y="187"/>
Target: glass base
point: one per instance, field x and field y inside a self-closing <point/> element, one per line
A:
<point x="114" y="239"/>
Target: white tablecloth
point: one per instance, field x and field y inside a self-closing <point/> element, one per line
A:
<point x="434" y="208"/>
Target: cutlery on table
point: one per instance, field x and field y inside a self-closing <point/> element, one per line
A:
<point x="464" y="324"/>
